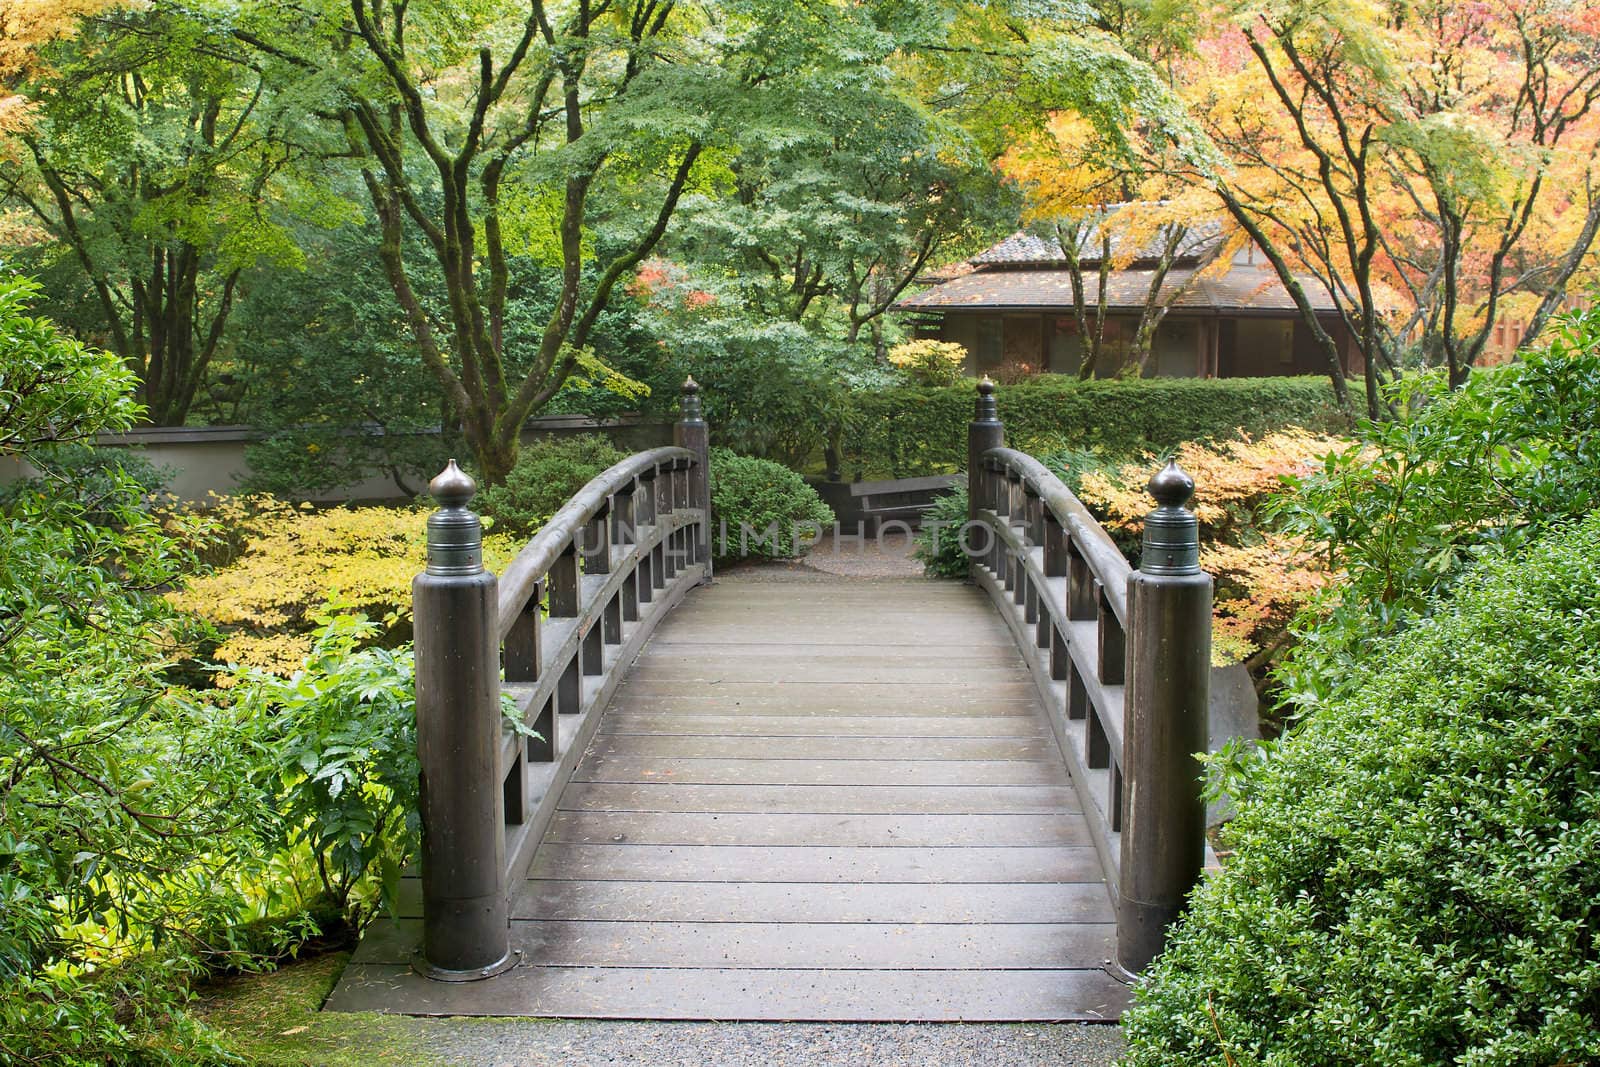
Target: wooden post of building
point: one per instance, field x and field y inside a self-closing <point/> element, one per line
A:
<point x="984" y="432"/>
<point x="465" y="924"/>
<point x="1169" y="680"/>
<point x="691" y="432"/>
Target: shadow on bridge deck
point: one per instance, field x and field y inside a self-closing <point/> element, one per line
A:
<point x="811" y="799"/>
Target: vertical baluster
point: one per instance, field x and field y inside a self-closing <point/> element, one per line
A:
<point x="565" y="598"/>
<point x="569" y="688"/>
<point x="1060" y="658"/>
<point x="1055" y="545"/>
<point x="644" y="497"/>
<point x="691" y="432"/>
<point x="542" y="749"/>
<point x="1098" y="755"/>
<point x="597" y="543"/>
<point x="1077" y="693"/>
<point x="611" y="622"/>
<point x="592" y="649"/>
<point x="522" y="652"/>
<point x="1111" y="654"/>
<point x="1080" y="585"/>
<point x="623" y="532"/>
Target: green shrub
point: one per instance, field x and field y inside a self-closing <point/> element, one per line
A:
<point x="341" y="734"/>
<point x="938" y="540"/>
<point x="127" y="811"/>
<point x="547" y="473"/>
<point x="1416" y="869"/>
<point x="751" y="498"/>
<point x="1410" y="509"/>
<point x="908" y="431"/>
<point x="96" y="479"/>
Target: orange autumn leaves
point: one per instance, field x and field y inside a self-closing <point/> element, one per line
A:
<point x="1263" y="577"/>
<point x="26" y="26"/>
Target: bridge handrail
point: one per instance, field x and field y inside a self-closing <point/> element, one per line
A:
<point x="520" y="580"/>
<point x="563" y="624"/>
<point x="1105" y="560"/>
<point x="1121" y="659"/>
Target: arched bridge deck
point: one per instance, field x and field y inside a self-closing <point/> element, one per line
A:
<point x="815" y="798"/>
<point x="811" y="799"/>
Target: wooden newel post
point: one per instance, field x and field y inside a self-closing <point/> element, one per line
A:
<point x="984" y="432"/>
<point x="465" y="925"/>
<point x="691" y="432"/>
<point x="1169" y="682"/>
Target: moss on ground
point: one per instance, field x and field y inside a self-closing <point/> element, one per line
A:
<point x="275" y="1020"/>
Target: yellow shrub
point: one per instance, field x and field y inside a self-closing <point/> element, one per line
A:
<point x="292" y="559"/>
<point x="930" y="362"/>
<point x="1263" y="578"/>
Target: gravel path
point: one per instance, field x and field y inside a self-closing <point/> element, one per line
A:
<point x="889" y="557"/>
<point x="530" y="1043"/>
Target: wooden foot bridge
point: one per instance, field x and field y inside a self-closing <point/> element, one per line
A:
<point x="811" y="798"/>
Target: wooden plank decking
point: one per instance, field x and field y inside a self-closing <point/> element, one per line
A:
<point x="818" y="800"/>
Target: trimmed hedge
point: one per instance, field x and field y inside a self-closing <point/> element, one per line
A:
<point x="1416" y="868"/>
<point x="914" y="430"/>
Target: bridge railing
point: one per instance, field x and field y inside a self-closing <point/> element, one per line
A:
<point x="1120" y="656"/>
<point x="562" y="625"/>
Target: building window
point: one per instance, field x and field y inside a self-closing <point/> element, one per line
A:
<point x="989" y="349"/>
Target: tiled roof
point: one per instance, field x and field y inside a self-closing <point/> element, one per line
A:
<point x="1042" y="246"/>
<point x="1246" y="287"/>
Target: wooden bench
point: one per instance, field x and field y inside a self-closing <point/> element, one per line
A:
<point x="903" y="498"/>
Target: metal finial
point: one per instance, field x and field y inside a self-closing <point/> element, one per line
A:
<point x="455" y="534"/>
<point x="1171" y="485"/>
<point x="1171" y="531"/>
<point x="452" y="487"/>
<point x="987" y="410"/>
<point x="689" y="402"/>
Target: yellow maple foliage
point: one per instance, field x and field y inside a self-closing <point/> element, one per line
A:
<point x="26" y="26"/>
<point x="291" y="559"/>
<point x="1263" y="578"/>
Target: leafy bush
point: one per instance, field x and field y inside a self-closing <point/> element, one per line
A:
<point x="751" y="498"/>
<point x="1414" y="877"/>
<point x="1481" y="470"/>
<point x="929" y="362"/>
<point x="1264" y="576"/>
<point x="91" y="476"/>
<point x="908" y="430"/>
<point x="121" y="836"/>
<point x="341" y="734"/>
<point x="938" y="541"/>
<point x="287" y="560"/>
<point x="547" y="474"/>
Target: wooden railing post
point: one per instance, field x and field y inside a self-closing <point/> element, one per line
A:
<point x="984" y="432"/>
<point x="691" y="432"/>
<point x="1169" y="678"/>
<point x="465" y="926"/>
